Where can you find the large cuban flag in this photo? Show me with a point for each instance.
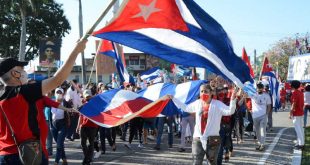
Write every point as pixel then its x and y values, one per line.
pixel 110 49
pixel 115 107
pixel 178 31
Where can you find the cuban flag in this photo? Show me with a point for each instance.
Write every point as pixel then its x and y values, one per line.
pixel 178 31
pixel 182 71
pixel 151 74
pixel 115 107
pixel 269 75
pixel 245 58
pixel 110 49
pixel 183 94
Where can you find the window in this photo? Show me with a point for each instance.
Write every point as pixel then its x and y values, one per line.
pixel 100 78
pixel 77 77
pixel 142 62
pixel 133 62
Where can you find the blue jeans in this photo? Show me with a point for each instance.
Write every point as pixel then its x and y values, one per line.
pixel 71 131
pixel 49 141
pixel 306 115
pixel 13 159
pixel 160 127
pixel 59 130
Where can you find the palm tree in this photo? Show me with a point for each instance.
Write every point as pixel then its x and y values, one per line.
pixel 23 5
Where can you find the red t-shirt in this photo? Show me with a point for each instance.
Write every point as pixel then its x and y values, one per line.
pixel 19 105
pixel 297 99
pixel 41 103
pixel 84 121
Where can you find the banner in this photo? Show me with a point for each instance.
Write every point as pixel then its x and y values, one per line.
pixel 299 68
pixel 49 52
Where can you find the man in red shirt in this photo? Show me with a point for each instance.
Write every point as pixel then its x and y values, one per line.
pixel 88 131
pixel 18 103
pixel 297 113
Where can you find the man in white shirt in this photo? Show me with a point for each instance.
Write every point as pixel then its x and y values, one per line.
pixel 73 96
pixel 208 115
pixel 261 106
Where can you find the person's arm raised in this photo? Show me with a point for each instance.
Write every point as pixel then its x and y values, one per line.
pixel 62 74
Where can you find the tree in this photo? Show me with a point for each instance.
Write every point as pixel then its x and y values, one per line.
pixel 48 22
pixel 279 54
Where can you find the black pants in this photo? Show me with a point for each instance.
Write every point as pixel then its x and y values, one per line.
pixel 88 133
pixel 136 124
pixel 74 118
pixel 239 125
pixel 109 134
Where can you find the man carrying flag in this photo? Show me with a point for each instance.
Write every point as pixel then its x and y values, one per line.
pixel 273 88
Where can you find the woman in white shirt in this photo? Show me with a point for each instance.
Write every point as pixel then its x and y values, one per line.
pixel 59 128
pixel 208 114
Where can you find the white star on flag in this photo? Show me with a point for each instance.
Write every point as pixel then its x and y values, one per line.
pixel 147 10
pixel 269 65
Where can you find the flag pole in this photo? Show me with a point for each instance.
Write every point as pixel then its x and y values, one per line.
pixel 104 13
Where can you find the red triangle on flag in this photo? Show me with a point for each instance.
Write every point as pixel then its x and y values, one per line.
pixel 266 66
pixel 247 61
pixel 106 46
pixel 138 14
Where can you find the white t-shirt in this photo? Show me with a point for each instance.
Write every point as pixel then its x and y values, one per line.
pixel 307 98
pixel 259 104
pixel 217 109
pixel 74 95
pixel 57 114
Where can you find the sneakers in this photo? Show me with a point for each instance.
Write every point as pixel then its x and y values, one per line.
pixel 298 147
pixel 157 147
pixel 114 147
pixel 181 150
pixel 140 145
pixel 97 155
pixel 261 148
pixel 128 146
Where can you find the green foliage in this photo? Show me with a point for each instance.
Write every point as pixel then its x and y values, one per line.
pixel 47 21
pixel 306 152
pixel 279 54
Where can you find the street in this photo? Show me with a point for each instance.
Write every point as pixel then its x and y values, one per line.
pixel 278 150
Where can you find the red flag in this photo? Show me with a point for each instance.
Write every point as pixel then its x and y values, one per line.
pixel 172 68
pixel 247 61
pixel 266 67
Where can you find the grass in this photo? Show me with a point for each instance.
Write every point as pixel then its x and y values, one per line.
pixel 306 152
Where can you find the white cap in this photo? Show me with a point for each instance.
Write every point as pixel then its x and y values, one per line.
pixel 59 89
pixel 87 93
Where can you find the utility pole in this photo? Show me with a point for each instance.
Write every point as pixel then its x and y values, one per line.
pixel 255 68
pixel 81 35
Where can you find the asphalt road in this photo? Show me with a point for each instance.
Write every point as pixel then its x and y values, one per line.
pixel 279 149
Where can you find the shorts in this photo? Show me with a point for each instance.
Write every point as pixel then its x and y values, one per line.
pixel 149 123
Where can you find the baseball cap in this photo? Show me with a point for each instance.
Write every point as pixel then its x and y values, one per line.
pixel 59 90
pixel 9 63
